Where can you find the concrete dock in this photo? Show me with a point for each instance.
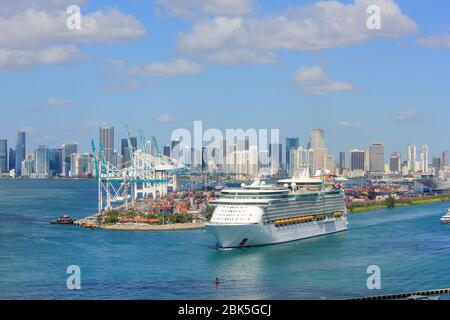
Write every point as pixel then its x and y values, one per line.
pixel 410 295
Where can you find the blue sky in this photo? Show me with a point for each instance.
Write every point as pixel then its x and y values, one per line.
pixel 390 87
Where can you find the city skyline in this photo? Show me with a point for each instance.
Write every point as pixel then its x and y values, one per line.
pixel 102 80
pixel 250 157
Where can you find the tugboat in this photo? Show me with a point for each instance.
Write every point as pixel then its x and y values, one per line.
pixel 446 218
pixel 65 219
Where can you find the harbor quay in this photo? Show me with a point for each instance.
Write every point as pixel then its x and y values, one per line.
pixel 181 210
pixel 191 209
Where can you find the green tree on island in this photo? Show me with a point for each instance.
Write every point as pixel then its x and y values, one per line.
pixel 390 202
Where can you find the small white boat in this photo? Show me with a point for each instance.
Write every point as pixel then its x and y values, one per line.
pixel 446 218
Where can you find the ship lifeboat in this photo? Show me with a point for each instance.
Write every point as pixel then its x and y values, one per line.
pixel 337 214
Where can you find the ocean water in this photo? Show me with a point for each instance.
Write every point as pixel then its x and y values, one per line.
pixel 409 244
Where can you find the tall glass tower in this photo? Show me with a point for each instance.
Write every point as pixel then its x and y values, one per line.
pixel 42 161
pixel 3 155
pixel 106 135
pixel 126 152
pixel 20 151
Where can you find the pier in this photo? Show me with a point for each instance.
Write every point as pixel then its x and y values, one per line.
pixel 403 296
pixel 87 222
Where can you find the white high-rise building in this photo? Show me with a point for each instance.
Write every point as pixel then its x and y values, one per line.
pixel 317 139
pixel 317 143
pixel 301 158
pixel 245 162
pixel 412 158
pixel 423 159
pixel 367 160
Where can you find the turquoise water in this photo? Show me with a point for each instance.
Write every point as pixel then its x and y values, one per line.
pixel 409 245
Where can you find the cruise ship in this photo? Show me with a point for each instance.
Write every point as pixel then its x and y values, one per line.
pixel 292 209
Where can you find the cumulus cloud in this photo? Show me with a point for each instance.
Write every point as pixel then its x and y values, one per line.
pixel 55 102
pixel 24 59
pixel 35 32
pixel 441 41
pixel 51 103
pixel 171 68
pixel 192 8
pixel 322 25
pixel 177 67
pixel 165 118
pixel 128 85
pixel 314 81
pixel 85 126
pixel 349 125
pixel 406 116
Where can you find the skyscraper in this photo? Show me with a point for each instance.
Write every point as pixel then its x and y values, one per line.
pixel 28 166
pixel 317 143
pixel 67 150
pixel 20 151
pixel 291 143
pixel 55 159
pixel 376 162
pixel 42 161
pixel 341 162
pixel 437 162
pixel 12 159
pixel 275 156
pixel 357 160
pixel 423 159
pixel 412 158
pixel 445 159
pixel 395 163
pixel 106 136
pixel 126 152
pixel 166 150
pixel 175 149
pixel 3 155
pixel 301 159
pixel 81 165
pixel 317 139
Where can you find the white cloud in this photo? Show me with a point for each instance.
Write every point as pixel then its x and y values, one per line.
pixel 322 25
pixel 24 59
pixel 51 103
pixel 406 116
pixel 55 102
pixel 128 85
pixel 314 81
pixel 34 29
pixel 27 129
pixel 165 118
pixel 441 41
pixel 36 33
pixel 192 8
pixel 172 68
pixel 349 125
pixel 86 126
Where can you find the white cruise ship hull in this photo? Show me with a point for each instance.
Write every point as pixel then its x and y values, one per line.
pixel 259 234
